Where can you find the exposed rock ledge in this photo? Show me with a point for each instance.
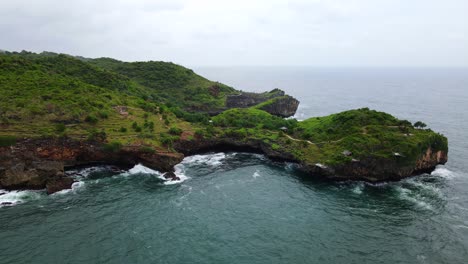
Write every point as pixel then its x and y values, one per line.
pixel 370 170
pixel 38 164
pixel 275 102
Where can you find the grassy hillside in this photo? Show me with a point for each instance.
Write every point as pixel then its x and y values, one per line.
pixel 171 83
pixel 143 103
pixel 360 133
pixel 57 94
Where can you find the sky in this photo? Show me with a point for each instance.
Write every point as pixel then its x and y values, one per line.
pixel 319 33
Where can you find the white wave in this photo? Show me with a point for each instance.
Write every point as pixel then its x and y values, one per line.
pixel 256 174
pixel 408 195
pixel 443 172
pixel 143 170
pixel 209 159
pixel 74 188
pixel 9 198
pixel 179 171
pixel 425 186
pixel 85 172
pixel 358 188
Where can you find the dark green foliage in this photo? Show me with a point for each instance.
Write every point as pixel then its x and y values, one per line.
pixel 199 133
pixel 92 119
pixel 175 131
pixel 250 118
pixel 190 117
pixel 60 128
pixel 123 129
pixel 95 135
pixel 136 127
pixel 167 139
pixel 419 124
pixel 113 146
pixel 103 114
pixel 6 141
pixel 147 149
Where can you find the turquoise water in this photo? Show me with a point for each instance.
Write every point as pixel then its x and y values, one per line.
pixel 243 208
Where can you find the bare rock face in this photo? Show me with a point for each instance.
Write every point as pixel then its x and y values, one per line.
pixel 40 163
pixel 56 185
pixel 371 169
pixel 276 102
pixel 29 174
pixel 285 106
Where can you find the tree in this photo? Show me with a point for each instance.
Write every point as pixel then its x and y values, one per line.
pixel 419 124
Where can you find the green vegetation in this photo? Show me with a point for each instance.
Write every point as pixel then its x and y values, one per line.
pixel 419 124
pixel 113 146
pixel 367 133
pixel 171 84
pixel 250 118
pixel 151 103
pixel 6 141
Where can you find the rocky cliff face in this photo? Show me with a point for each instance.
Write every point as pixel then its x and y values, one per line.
pixel 378 170
pixel 285 106
pixel 275 102
pixel 370 170
pixel 38 164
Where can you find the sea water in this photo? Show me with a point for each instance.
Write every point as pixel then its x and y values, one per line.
pixel 243 208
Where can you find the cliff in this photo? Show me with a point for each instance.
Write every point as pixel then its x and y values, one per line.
pixel 58 111
pixel 275 102
pixel 40 163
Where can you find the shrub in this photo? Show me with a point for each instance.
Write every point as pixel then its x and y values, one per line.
pixel 95 135
pixel 167 140
pixel 275 147
pixel 175 131
pixel 199 133
pixel 420 124
pixel 113 146
pixel 136 127
pixel 60 128
pixel 147 149
pixel 103 114
pixel 123 129
pixel 92 119
pixel 6 141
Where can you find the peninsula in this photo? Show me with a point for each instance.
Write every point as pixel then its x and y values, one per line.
pixel 59 111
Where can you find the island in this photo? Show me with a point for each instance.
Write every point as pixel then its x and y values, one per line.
pixel 59 111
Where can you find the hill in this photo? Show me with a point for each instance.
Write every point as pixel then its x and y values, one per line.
pixel 58 110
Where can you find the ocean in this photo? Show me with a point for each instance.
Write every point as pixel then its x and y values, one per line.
pixel 243 208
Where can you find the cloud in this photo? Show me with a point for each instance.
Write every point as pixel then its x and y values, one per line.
pixel 253 32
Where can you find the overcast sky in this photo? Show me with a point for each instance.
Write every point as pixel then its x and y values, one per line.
pixel 332 33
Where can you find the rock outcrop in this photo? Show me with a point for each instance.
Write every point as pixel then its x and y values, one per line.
pixel 378 170
pixel 275 102
pixel 370 170
pixel 40 163
pixel 284 106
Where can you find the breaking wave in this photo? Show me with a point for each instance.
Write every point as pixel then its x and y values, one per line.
pixel 10 198
pixel 443 172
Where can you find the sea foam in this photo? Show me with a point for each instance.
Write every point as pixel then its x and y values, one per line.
pixel 9 198
pixel 443 172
